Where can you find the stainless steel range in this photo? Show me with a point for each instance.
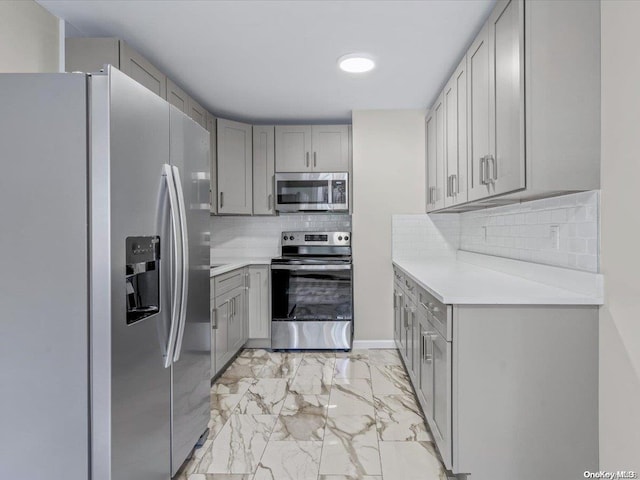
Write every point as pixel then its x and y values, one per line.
pixel 312 292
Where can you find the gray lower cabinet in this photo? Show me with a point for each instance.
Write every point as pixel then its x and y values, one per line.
pixel 508 391
pixel 228 316
pixel 259 307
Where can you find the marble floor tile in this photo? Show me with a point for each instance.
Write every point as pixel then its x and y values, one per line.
pixel 265 397
pixel 410 461
pixel 246 368
pixel 312 380
pixel 218 476
pixel 351 396
pixel 349 477
pixel 225 385
pixel 289 461
pixel 319 361
pixel 384 357
pixel 222 406
pixel 254 353
pixel 350 446
pixel 319 354
pixel 390 380
pixel 399 418
pixel 302 418
pixel 351 368
pixel 239 445
pixel 355 354
pixel 284 367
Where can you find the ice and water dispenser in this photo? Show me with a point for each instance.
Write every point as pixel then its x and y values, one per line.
pixel 143 277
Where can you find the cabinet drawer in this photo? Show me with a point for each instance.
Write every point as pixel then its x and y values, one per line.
pixel 228 281
pixel 437 313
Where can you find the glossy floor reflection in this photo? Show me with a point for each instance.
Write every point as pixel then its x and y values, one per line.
pixel 315 416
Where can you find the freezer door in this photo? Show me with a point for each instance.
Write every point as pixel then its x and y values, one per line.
pixel 191 371
pixel 131 415
pixel 43 277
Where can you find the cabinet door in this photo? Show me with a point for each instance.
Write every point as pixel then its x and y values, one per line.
pixel 221 323
pixel 142 71
pixel 235 332
pixel 455 136
pixel 506 57
pixel 435 156
pixel 293 148
pixel 478 112
pixel 258 303
pixel 397 315
pixel 330 148
pixel 235 189
pixel 263 169
pixel 213 135
pixel 416 350
pixel 177 97
pixel 197 112
pixel 426 366
pixel 442 395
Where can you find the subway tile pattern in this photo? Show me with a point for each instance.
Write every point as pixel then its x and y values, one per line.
pixel 240 236
pixel 424 236
pixel 315 416
pixel 524 231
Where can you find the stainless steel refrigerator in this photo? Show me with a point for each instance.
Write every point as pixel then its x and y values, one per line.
pixel 104 275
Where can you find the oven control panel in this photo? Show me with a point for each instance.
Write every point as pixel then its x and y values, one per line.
pixel 316 238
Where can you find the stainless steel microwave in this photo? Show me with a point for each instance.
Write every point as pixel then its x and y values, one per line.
pixel 312 192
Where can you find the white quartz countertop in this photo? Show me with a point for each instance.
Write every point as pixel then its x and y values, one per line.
pixel 224 265
pixel 455 281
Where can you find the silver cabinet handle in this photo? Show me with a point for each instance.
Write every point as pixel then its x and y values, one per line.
pixel 307 159
pixel 315 159
pixel 449 188
pixel 214 319
pixel 269 199
pixel 221 199
pixel 494 169
pixel 482 171
pixel 456 190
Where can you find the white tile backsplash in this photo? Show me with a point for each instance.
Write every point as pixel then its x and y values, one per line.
pixel 245 237
pixel 422 236
pixel 520 231
pixel 523 231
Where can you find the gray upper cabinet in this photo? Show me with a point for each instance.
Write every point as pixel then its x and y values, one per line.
pixel 435 156
pixel 312 148
pixel 197 112
pixel 505 164
pixel 235 167
pixel 177 97
pixel 142 71
pixel 263 169
pixel 293 148
pixel 330 144
pixel 213 135
pixel 530 131
pixel 455 137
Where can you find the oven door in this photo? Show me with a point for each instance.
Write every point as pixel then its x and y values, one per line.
pixel 312 307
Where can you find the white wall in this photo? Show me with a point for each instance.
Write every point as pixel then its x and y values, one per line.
pixel 388 178
pixel 29 38
pixel 620 252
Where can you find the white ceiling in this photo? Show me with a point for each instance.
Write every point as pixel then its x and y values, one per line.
pixel 267 60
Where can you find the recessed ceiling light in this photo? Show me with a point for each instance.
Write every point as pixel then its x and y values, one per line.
pixel 356 63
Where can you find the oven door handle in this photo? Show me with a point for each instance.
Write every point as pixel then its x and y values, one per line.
pixel 322 268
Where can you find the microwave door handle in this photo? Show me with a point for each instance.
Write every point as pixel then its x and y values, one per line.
pixel 184 294
pixel 176 264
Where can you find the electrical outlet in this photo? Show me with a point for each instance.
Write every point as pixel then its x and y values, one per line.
pixel 554 234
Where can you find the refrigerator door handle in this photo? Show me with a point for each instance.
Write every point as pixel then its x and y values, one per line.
pixel 176 264
pixel 185 263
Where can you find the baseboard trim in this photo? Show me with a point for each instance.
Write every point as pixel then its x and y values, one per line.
pixel 361 344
